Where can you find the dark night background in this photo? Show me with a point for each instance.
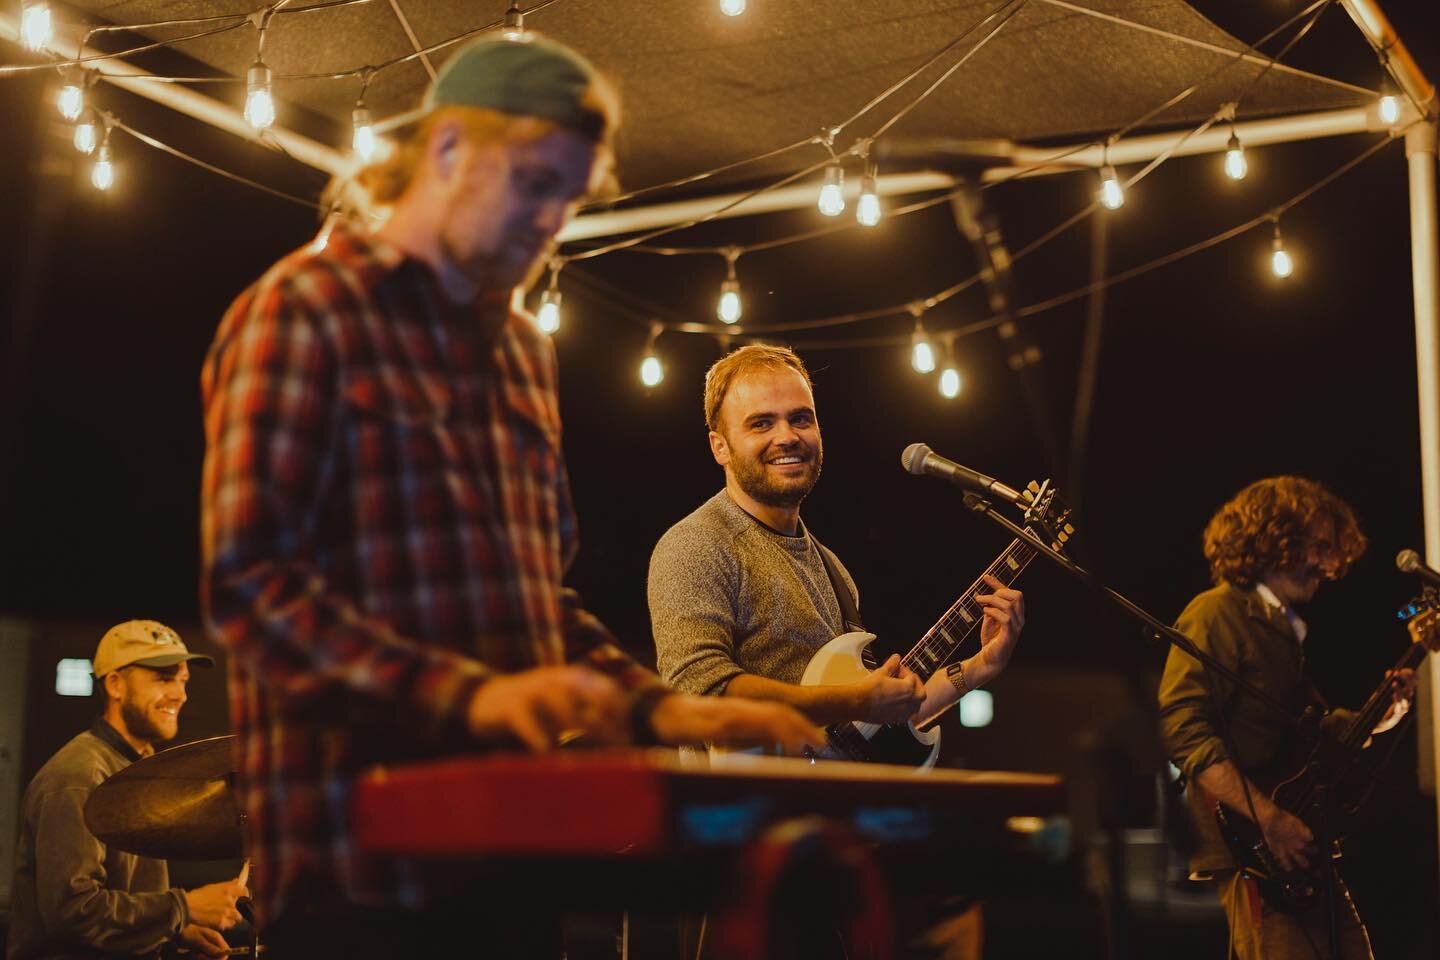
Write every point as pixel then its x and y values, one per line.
pixel 1213 373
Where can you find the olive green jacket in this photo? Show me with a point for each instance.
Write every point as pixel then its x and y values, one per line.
pixel 1255 640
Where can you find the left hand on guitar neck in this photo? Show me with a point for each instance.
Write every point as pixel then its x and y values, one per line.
pixel 1403 682
pixel 1000 627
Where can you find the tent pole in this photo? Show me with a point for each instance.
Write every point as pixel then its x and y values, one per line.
pixel 1420 155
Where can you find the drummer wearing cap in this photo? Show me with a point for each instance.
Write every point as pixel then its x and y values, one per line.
pixel 386 514
pixel 75 897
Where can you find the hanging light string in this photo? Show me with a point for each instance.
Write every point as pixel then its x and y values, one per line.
pixel 941 296
pixel 240 20
pixel 899 115
pixel 1268 217
pixel 808 141
pixel 163 147
pixel 641 243
pixel 228 21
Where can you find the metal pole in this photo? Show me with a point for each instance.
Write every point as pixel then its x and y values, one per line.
pixel 1420 155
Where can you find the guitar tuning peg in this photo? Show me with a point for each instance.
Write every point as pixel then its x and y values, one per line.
pixel 1033 487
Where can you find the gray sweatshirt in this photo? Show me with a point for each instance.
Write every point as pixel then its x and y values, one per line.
pixel 73 896
pixel 728 595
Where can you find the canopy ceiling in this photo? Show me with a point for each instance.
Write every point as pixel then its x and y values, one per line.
pixel 703 89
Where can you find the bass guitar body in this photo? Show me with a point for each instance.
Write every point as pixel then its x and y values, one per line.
pixel 845 660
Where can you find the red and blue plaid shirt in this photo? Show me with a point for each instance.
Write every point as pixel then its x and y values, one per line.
pixel 386 520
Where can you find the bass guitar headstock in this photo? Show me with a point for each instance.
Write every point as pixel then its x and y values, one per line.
pixel 1046 514
pixel 1422 618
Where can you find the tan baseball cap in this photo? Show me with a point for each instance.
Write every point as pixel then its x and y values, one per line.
pixel 148 643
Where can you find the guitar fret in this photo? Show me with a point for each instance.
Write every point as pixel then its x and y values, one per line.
pixel 943 639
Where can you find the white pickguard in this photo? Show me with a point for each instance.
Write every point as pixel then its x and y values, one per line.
pixel 840 661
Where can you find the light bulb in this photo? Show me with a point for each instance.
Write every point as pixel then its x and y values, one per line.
pixel 36 28
pixel 514 29
pixel 1280 262
pixel 729 308
pixel 949 383
pixel 1235 164
pixel 832 192
pixel 922 355
pixel 259 105
pixel 103 173
pixel 85 137
pixel 362 141
pixel 867 209
pixel 548 316
pixel 1389 109
pixel 71 101
pixel 651 371
pixel 1112 195
pixel 732 8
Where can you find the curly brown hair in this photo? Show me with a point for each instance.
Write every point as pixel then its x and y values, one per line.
pixel 1268 526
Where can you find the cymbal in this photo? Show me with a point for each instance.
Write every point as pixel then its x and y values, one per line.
pixel 175 805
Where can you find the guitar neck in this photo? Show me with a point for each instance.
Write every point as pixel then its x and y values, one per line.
pixel 1379 702
pixel 941 641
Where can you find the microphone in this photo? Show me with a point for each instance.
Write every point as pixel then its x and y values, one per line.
pixel 919 459
pixel 1408 561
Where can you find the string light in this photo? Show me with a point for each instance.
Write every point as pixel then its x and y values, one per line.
pixel 922 354
pixel 102 175
pixel 652 371
pixel 1235 164
pixel 730 307
pixel 950 382
pixel 362 140
pixel 85 136
pixel 732 8
pixel 1388 105
pixel 1281 263
pixel 71 100
pixel 832 192
pixel 1112 195
pixel 867 208
pixel 259 105
pixel 547 317
pixel 36 27
pixel 514 29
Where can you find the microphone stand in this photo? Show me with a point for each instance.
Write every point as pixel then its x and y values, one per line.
pixel 1175 638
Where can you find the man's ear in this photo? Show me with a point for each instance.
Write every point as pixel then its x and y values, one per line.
pixel 444 148
pixel 114 685
pixel 719 449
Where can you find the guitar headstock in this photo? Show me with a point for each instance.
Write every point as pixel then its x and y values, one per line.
pixel 1047 514
pixel 1422 618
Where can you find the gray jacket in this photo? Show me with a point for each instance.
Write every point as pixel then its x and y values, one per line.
pixel 73 896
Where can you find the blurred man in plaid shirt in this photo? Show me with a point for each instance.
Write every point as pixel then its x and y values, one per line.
pixel 386 513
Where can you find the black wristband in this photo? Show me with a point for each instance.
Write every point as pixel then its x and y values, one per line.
pixel 642 708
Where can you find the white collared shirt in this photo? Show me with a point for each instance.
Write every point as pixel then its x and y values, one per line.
pixel 1296 624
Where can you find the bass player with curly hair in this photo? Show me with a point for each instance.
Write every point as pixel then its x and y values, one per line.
pixel 1269 548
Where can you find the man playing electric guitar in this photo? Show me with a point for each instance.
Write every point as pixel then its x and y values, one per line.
pixel 740 597
pixel 1269 548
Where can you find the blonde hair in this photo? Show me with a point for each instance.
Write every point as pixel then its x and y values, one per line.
pixel 381 183
pixel 755 356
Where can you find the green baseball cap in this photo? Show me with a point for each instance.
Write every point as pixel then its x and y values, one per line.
pixel 531 77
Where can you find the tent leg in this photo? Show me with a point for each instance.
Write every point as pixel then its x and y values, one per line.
pixel 1420 154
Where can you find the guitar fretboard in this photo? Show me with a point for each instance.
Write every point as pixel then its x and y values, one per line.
pixel 940 641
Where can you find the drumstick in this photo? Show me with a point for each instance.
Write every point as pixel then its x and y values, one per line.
pixel 244 877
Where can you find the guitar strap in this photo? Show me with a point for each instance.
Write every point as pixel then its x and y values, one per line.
pixel 849 613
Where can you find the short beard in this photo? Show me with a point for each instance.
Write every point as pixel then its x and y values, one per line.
pixel 751 476
pixel 139 724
